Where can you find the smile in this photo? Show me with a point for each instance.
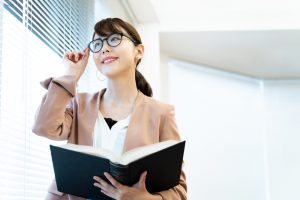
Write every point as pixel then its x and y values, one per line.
pixel 109 60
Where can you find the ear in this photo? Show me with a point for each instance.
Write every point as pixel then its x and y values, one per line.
pixel 139 51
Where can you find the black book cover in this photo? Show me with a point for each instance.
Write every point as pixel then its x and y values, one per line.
pixel 74 170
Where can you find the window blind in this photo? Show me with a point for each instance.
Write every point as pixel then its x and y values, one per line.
pixel 34 34
pixel 61 25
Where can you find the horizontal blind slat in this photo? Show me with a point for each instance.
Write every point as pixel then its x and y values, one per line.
pixel 70 24
pixel 53 21
pixel 55 25
pixel 14 7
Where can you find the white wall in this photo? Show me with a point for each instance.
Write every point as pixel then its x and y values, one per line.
pixel 282 111
pixel 242 141
pixel 150 64
pixel 109 8
pixel 242 133
pixel 192 15
pixel 219 116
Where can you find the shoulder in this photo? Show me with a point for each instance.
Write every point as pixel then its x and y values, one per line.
pixel 165 114
pixel 157 106
pixel 87 95
pixel 86 98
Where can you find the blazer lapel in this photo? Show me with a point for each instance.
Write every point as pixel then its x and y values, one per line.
pixel 131 138
pixel 90 120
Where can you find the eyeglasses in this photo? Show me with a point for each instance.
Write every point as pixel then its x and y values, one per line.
pixel 112 40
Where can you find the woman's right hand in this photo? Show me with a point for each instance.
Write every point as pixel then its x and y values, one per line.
pixel 76 62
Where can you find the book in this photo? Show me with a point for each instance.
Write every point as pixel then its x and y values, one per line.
pixel 75 165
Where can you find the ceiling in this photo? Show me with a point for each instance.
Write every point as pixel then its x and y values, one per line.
pixel 255 38
pixel 261 54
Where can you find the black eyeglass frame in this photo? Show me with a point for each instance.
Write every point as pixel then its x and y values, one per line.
pixel 102 40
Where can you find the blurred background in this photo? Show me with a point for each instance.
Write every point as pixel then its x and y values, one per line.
pixel 231 68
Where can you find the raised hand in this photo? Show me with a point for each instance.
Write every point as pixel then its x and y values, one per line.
pixel 76 62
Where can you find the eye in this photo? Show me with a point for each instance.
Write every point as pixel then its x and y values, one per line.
pixel 114 38
pixel 97 44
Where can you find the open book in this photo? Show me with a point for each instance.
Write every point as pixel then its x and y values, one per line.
pixel 75 165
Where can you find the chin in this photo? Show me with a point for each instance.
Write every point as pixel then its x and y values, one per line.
pixel 113 71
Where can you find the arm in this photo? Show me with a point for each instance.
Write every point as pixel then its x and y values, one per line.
pixel 54 116
pixel 168 130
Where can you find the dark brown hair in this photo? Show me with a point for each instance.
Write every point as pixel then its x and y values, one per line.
pixel 108 26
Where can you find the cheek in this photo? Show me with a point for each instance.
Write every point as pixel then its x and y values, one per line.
pixel 126 60
pixel 96 57
pixel 127 57
pixel 97 60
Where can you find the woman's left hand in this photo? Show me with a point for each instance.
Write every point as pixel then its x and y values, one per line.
pixel 122 192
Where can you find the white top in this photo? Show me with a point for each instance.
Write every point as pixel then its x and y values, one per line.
pixel 111 139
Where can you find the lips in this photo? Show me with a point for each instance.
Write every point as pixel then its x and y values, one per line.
pixel 109 59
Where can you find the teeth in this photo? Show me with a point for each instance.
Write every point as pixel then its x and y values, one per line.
pixel 109 60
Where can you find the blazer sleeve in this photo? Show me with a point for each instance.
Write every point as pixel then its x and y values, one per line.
pixel 53 118
pixel 168 130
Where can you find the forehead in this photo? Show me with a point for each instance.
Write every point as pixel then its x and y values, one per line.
pixel 100 36
pixel 107 33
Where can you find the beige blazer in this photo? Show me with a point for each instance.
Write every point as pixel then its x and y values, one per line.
pixel 65 115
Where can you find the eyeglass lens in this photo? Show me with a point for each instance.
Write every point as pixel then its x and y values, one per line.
pixel 113 40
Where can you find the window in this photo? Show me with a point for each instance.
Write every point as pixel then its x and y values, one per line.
pixel 33 37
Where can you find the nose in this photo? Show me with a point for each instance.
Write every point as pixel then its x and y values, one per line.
pixel 105 47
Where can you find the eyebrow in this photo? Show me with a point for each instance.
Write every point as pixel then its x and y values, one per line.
pixel 98 37
pixel 102 37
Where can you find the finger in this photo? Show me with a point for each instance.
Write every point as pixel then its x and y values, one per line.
pixel 107 188
pixel 71 56
pixel 113 181
pixel 98 185
pixel 96 178
pixel 76 56
pixel 66 58
pixel 142 181
pixel 80 56
pixel 85 54
pixel 107 194
pixel 66 55
pixel 101 181
pixel 84 59
pixel 110 191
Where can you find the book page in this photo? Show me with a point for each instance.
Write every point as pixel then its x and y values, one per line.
pixel 143 151
pixel 103 153
pixel 127 157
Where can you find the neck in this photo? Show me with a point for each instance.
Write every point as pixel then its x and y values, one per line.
pixel 120 91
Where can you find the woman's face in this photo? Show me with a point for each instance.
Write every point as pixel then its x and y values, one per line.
pixel 119 60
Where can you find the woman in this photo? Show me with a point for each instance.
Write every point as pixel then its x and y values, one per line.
pixel 119 118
